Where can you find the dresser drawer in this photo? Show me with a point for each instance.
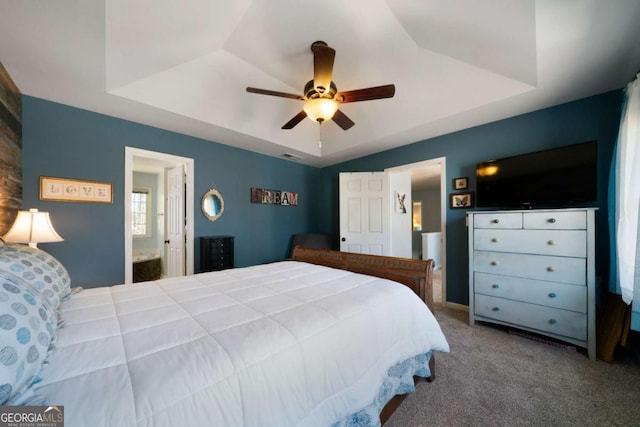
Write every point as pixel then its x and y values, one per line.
pixel 218 262
pixel 571 243
pixel 217 246
pixel 556 220
pixel 549 268
pixel 551 294
pixel 545 319
pixel 498 220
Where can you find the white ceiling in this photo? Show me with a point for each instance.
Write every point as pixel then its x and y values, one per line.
pixel 184 66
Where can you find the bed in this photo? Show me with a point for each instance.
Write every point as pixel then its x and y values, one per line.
pixel 324 339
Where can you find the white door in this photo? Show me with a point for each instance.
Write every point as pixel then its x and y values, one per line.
pixel 401 210
pixel 175 224
pixel 364 213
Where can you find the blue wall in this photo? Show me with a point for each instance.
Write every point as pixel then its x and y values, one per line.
pixel 67 142
pixel 592 118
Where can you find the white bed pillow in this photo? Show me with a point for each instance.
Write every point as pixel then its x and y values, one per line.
pixel 27 329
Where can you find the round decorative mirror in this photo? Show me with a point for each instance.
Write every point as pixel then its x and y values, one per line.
pixel 212 205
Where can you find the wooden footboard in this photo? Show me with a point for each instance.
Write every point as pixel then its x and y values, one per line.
pixel 416 274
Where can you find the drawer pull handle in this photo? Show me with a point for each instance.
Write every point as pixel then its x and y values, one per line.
pixel 551 269
pixel 551 243
pixel 551 220
pixel 495 221
pixel 495 286
pixel 495 309
pixel 552 295
pixel 494 240
pixel 494 262
pixel 552 321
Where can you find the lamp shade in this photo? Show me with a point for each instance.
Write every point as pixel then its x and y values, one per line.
pixel 320 109
pixel 32 227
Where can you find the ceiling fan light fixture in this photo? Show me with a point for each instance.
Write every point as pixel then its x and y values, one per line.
pixel 321 95
pixel 320 109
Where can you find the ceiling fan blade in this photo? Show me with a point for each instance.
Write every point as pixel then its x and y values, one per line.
pixel 296 119
pixel 274 93
pixel 370 93
pixel 342 120
pixel 323 57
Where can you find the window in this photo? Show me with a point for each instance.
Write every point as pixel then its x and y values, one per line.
pixel 624 210
pixel 141 212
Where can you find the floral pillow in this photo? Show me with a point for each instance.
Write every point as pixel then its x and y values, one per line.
pixel 27 329
pixel 38 269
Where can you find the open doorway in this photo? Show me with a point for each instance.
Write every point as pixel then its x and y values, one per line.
pixel 147 240
pixel 428 198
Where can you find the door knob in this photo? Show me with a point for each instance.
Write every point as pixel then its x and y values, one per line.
pixel 343 239
pixel 166 242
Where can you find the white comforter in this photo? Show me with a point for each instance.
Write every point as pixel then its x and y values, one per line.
pixel 279 344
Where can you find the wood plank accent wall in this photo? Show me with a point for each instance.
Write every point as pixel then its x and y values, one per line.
pixel 10 150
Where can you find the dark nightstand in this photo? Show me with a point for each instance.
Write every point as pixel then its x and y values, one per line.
pixel 216 253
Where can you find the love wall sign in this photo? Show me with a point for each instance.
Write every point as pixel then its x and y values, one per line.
pixel 274 197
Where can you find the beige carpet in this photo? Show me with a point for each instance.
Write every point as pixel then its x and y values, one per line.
pixel 437 286
pixel 494 378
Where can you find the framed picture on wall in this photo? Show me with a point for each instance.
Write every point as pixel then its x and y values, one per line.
pixel 461 200
pixel 399 202
pixel 460 183
pixel 73 190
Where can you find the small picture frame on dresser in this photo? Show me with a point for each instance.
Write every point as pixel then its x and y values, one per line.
pixel 461 200
pixel 460 183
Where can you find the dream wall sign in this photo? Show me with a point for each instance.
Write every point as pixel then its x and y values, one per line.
pixel 274 197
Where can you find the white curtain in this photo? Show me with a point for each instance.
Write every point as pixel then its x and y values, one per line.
pixel 627 193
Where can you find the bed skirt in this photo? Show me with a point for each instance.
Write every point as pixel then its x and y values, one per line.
pixel 399 380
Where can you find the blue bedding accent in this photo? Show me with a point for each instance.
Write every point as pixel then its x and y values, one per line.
pixel 399 380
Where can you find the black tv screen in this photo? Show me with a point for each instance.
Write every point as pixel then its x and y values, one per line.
pixel 559 177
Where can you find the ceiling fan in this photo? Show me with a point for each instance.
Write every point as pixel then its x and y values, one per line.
pixel 321 95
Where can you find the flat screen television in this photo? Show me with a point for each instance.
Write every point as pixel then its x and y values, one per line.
pixel 559 177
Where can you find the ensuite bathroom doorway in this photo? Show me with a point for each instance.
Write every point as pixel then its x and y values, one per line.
pixel 158 190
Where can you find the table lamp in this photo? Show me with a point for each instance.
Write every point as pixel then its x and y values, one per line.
pixel 32 227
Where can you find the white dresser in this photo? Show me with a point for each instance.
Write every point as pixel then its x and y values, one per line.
pixel 535 270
